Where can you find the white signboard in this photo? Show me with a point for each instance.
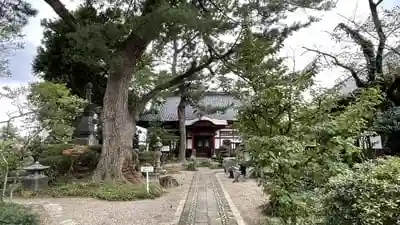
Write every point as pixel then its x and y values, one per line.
pixel 147 169
pixel 165 148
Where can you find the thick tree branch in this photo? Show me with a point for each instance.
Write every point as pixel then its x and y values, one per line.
pixel 381 35
pixel 366 46
pixel 63 12
pixel 336 62
pixel 379 2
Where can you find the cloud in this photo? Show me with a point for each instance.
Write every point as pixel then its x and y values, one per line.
pixel 21 65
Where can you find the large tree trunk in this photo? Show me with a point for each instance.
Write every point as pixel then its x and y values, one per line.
pixel 118 130
pixel 182 130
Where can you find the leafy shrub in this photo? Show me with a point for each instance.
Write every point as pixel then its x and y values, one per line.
pixel 191 166
pixel 14 214
pixel 60 165
pixel 147 157
pixel 109 192
pixel 369 194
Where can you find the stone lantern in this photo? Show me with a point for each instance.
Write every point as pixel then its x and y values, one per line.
pixel 36 179
pixel 158 154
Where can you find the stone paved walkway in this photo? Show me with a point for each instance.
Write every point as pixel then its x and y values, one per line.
pixel 206 203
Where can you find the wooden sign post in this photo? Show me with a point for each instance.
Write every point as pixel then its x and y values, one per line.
pixel 147 170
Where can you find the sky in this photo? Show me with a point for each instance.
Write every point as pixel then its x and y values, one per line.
pixel 314 36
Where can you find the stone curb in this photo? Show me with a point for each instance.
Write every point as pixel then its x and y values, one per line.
pixel 234 209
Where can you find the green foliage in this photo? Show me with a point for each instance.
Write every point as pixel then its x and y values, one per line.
pixel 93 50
pixel 56 108
pixel 191 166
pixel 9 131
pixel 9 158
pixel 147 157
pixel 14 214
pixel 292 169
pixel 388 121
pixel 61 165
pixel 368 194
pixel 297 145
pixel 107 191
pixel 156 131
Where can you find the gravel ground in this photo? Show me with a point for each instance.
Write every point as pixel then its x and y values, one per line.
pixel 86 211
pixel 247 196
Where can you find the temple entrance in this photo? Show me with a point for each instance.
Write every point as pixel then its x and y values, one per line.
pixel 203 145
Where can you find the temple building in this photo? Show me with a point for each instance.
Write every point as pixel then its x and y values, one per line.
pixel 204 132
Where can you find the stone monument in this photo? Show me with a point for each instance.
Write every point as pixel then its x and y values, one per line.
pixel 157 155
pixel 85 132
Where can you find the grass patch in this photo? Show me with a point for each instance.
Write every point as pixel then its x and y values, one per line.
pixel 14 214
pixel 102 191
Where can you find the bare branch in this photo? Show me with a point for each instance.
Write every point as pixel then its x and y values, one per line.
pixel 337 62
pixel 393 49
pixel 366 46
pixel 17 116
pixel 381 35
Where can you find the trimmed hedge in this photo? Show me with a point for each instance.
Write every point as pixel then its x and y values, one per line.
pixel 14 214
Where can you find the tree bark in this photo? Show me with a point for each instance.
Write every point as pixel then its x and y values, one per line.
pixel 118 129
pixel 182 129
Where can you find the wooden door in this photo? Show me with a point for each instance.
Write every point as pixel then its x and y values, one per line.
pixel 203 145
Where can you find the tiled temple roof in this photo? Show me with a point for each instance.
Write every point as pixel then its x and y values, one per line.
pixel 168 110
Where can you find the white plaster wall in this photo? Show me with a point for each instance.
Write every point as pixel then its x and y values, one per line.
pixel 216 144
pixel 216 140
pixel 189 143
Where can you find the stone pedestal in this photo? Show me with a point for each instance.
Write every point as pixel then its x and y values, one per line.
pixel 158 155
pixel 90 140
